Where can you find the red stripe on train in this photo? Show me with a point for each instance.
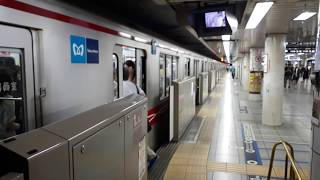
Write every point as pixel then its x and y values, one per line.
pixel 54 15
pixel 154 113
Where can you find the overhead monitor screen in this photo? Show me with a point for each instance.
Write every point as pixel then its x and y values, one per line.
pixel 215 19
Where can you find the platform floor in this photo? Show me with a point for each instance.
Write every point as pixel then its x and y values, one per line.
pixel 214 145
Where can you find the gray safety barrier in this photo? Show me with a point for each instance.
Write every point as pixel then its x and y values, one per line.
pixel 202 88
pixel 184 105
pixel 211 80
pixel 107 142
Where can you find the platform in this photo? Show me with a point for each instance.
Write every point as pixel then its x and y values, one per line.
pixel 214 145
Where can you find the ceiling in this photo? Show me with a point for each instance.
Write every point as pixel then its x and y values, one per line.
pixel 279 20
pixel 155 17
pixel 169 20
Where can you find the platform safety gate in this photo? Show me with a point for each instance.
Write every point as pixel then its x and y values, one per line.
pixel 107 142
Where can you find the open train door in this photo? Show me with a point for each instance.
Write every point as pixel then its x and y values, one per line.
pixel 17 84
pixel 121 54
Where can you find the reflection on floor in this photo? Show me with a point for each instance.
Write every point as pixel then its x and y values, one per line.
pixel 228 141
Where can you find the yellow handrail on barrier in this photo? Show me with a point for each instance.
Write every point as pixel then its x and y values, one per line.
pixel 289 155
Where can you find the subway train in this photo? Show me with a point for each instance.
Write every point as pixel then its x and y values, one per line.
pixel 60 61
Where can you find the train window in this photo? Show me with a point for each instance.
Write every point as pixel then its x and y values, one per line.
pixel 162 76
pixel 115 65
pixel 196 67
pixel 12 100
pixel 168 73
pixel 175 67
pixel 187 67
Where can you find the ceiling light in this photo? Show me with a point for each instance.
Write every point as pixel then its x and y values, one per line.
pixel 304 16
pixel 225 37
pixel 162 46
pixel 125 35
pixel 140 39
pixel 226 46
pixel 180 51
pixel 258 13
pixel 173 49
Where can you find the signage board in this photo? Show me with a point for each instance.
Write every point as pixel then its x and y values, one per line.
pixel 84 50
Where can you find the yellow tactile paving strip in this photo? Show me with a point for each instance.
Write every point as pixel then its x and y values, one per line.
pixel 190 161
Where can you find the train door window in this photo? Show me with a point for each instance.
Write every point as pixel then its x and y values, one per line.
pixel 203 66
pixel 115 65
pixel 162 76
pixel 175 67
pixel 138 57
pixel 195 67
pixel 141 69
pixel 12 97
pixel 187 67
pixel 168 73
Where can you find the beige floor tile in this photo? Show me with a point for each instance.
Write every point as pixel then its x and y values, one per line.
pixel 197 169
pixel 237 168
pixel 257 170
pixel 179 161
pixel 216 166
pixel 196 176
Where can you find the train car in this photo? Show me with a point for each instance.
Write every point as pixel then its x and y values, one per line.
pixel 57 61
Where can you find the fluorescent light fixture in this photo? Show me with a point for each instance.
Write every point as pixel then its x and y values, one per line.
pixel 225 37
pixel 125 35
pixel 180 51
pixel 304 16
pixel 258 13
pixel 226 46
pixel 173 49
pixel 140 39
pixel 162 46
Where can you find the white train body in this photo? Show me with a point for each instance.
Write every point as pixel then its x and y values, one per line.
pixel 56 88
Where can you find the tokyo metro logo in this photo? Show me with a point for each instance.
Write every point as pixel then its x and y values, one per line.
pixel 78 50
pixel 84 50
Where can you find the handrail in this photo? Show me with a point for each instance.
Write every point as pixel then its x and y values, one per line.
pixel 289 154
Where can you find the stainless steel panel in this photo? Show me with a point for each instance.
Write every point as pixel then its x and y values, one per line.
pixel 315 175
pixel 203 87
pixel 211 80
pixel 184 105
pixel 135 131
pixel 316 138
pixel 12 176
pixel 38 154
pixel 81 126
pixel 101 156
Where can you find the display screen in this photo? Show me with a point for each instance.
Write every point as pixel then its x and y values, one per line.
pixel 215 19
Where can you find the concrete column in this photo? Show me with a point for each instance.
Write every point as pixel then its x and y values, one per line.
pixel 255 66
pixel 273 80
pixel 256 59
pixel 245 72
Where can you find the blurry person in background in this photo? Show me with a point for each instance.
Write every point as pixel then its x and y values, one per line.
pixel 232 70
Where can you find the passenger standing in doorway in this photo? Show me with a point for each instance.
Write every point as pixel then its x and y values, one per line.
pixel 129 79
pixel 233 71
pixel 130 87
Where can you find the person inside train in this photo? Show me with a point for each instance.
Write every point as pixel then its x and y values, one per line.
pixel 8 126
pixel 130 87
pixel 129 79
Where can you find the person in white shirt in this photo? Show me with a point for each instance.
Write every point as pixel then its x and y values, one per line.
pixel 130 87
pixel 129 77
